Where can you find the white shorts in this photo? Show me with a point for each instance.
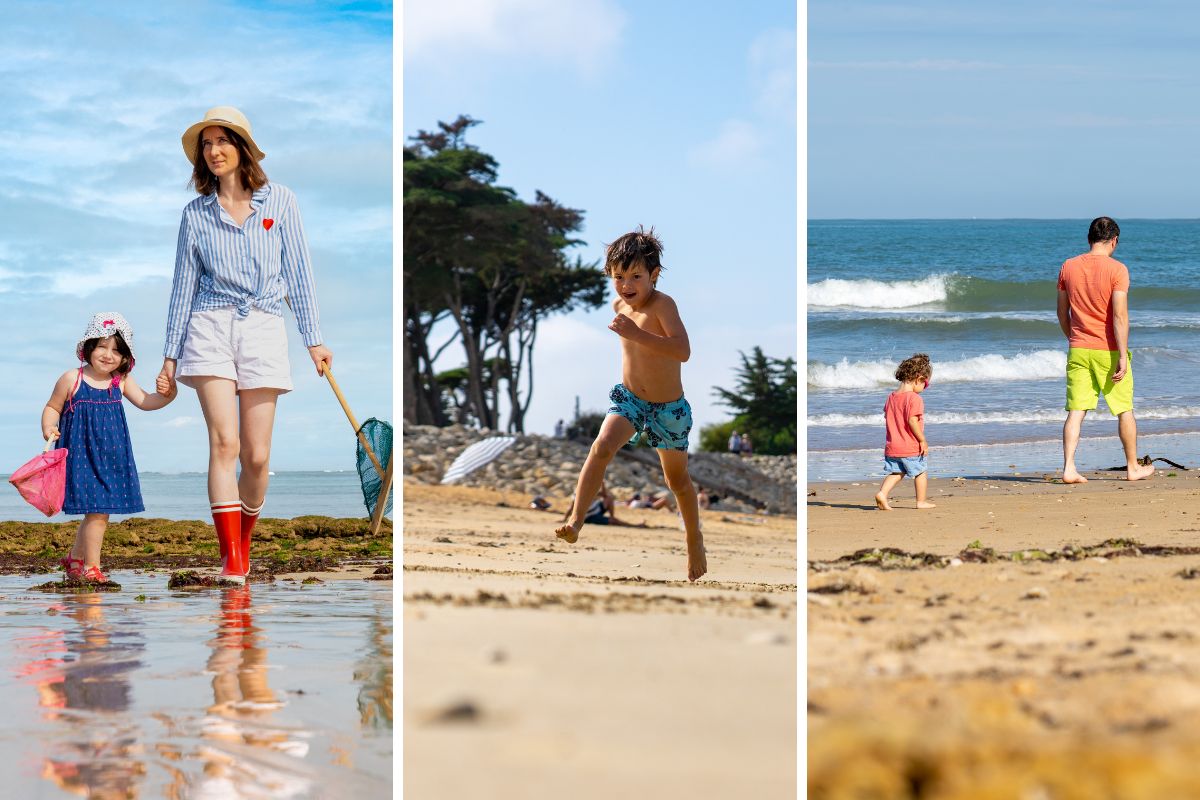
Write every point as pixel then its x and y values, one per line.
pixel 253 350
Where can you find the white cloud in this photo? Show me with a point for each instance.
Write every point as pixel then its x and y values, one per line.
pixel 738 143
pixel 183 422
pixel 773 73
pixel 581 32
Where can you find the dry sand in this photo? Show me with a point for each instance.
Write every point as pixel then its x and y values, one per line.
pixel 1050 674
pixel 537 669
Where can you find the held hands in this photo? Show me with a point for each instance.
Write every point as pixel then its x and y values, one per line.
pixel 164 384
pixel 322 357
pixel 625 327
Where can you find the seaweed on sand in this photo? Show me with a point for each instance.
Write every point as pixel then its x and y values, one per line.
pixel 76 586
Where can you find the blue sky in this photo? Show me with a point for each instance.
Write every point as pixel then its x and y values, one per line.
pixel 96 96
pixel 1018 109
pixel 680 115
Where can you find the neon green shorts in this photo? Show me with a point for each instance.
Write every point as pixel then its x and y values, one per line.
pixel 1089 373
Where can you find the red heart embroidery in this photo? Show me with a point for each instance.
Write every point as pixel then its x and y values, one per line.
pixel 267 223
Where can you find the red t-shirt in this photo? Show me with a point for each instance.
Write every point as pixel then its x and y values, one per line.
pixel 1089 281
pixel 901 443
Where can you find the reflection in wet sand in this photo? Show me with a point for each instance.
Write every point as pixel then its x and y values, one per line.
pixel 374 674
pixel 270 691
pixel 248 756
pixel 80 666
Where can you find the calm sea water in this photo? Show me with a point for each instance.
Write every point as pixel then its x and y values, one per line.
pixel 185 496
pixel 979 297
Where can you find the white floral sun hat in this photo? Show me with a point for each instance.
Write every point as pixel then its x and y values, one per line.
pixel 103 325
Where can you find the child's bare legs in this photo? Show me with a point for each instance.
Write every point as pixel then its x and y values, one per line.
pixel 674 464
pixel 922 483
pixel 614 432
pixel 889 483
pixel 1070 442
pixel 88 539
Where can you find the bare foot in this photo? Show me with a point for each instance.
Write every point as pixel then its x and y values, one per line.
pixel 881 503
pixel 1074 477
pixel 569 532
pixel 697 560
pixel 1139 472
pixel 926 504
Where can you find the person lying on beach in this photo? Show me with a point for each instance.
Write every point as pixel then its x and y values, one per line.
pixel 1093 312
pixel 649 400
pixel 602 511
pixel 905 449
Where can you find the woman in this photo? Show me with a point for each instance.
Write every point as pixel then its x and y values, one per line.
pixel 241 255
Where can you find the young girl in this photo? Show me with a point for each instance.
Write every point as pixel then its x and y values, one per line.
pixel 905 450
pixel 101 476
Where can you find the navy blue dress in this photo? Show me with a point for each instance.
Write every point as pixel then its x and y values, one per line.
pixel 101 475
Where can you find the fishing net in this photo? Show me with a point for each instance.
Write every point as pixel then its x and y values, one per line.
pixel 379 436
pixel 42 480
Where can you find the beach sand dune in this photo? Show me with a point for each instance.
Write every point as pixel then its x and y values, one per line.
pixel 533 668
pixel 1031 640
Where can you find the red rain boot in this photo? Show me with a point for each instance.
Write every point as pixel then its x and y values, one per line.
pixel 227 521
pixel 249 517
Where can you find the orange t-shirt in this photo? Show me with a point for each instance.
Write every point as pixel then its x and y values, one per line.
pixel 1089 281
pixel 901 443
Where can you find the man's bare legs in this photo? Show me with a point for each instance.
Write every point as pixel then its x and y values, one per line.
pixel 922 483
pixel 674 464
pixel 614 432
pixel 1070 442
pixel 889 483
pixel 1127 430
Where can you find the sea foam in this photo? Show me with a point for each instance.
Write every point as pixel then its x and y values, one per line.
pixel 835 292
pixel 1035 366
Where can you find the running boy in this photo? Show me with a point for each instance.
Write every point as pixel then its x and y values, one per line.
pixel 649 400
pixel 905 449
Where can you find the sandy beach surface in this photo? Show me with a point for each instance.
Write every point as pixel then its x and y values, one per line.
pixel 537 669
pixel 1025 639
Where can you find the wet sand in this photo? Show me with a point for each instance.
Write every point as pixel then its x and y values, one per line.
pixel 1028 639
pixel 537 669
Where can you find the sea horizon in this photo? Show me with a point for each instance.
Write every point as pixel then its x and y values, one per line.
pixel 184 496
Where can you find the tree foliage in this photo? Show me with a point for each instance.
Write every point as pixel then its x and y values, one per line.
pixel 495 265
pixel 764 403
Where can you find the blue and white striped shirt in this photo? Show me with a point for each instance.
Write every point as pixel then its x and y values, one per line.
pixel 218 264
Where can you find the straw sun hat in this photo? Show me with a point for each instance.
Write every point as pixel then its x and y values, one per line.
pixel 227 117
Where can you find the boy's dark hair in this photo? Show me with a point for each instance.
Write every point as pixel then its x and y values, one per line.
pixel 638 247
pixel 126 354
pixel 1103 229
pixel 249 171
pixel 911 369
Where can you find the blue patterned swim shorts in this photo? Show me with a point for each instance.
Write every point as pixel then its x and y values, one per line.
pixel 666 425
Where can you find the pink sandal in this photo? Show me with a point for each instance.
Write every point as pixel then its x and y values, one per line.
pixel 72 572
pixel 94 574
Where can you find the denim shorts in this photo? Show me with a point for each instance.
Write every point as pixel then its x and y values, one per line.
pixel 666 425
pixel 912 466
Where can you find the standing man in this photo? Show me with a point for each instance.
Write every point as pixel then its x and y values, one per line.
pixel 1093 312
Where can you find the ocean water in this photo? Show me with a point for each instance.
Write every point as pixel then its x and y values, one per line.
pixel 979 297
pixel 185 496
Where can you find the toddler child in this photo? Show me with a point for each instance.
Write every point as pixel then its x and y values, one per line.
pixel 649 399
pixel 905 449
pixel 101 476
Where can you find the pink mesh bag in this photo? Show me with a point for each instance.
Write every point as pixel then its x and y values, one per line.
pixel 42 480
